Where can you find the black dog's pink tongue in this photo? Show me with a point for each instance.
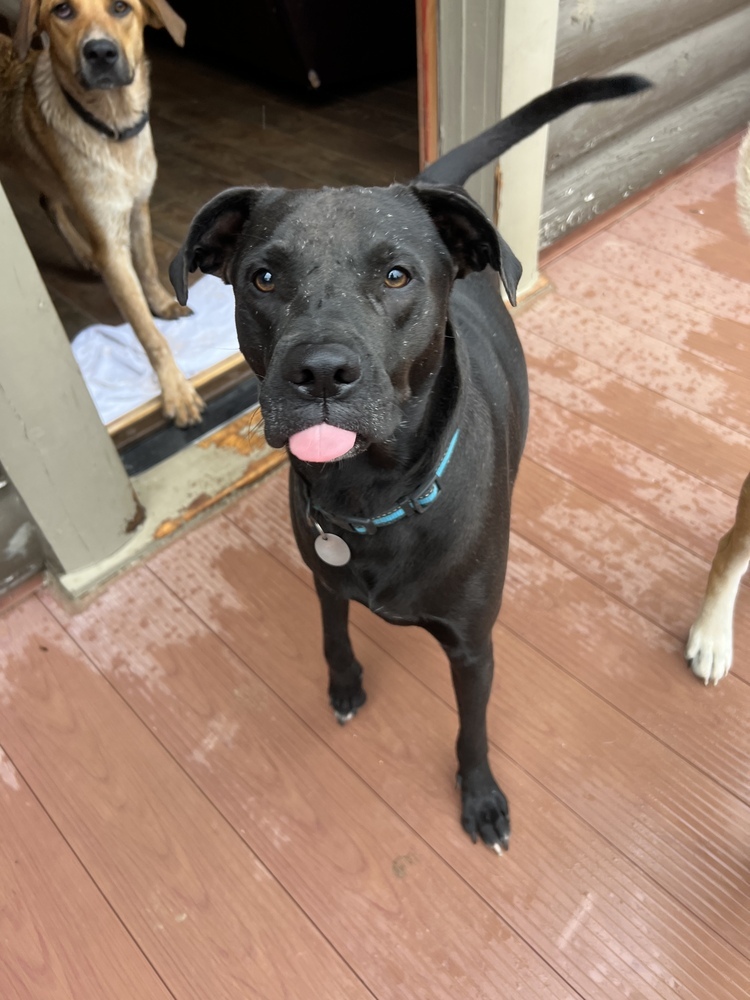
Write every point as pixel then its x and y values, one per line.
pixel 321 443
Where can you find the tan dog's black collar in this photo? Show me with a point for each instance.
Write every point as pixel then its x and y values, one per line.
pixel 100 126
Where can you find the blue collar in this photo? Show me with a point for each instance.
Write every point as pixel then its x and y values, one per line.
pixel 417 503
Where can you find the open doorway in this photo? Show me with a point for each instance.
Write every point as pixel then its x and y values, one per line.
pixel 280 94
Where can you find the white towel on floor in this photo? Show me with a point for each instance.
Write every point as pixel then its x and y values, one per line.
pixel 115 367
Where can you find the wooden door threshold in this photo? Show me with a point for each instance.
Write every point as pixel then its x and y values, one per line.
pixel 148 418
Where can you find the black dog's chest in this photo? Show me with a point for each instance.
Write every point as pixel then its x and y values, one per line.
pixel 387 572
pixel 377 576
pixel 390 601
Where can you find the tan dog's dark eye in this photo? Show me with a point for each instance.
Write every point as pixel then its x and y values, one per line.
pixel 120 8
pixel 263 280
pixel 64 11
pixel 397 277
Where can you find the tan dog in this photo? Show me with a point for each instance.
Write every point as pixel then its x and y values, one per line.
pixel 709 647
pixel 74 120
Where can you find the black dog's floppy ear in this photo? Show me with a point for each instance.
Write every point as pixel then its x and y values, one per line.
pixel 469 235
pixel 161 15
pixel 26 28
pixel 212 237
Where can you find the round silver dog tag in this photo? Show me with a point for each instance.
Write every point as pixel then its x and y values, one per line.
pixel 332 549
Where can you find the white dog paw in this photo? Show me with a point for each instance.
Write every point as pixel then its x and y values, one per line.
pixel 709 648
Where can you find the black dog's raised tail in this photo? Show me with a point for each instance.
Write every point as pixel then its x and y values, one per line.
pixel 457 166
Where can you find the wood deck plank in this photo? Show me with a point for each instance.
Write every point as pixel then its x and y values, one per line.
pixel 60 938
pixel 693 442
pixel 579 912
pixel 685 281
pixel 629 662
pixel 661 813
pixel 660 580
pixel 650 490
pixel 689 241
pixel 206 912
pixel 705 197
pixel 718 341
pixel 671 834
pixel 631 353
pixel 351 864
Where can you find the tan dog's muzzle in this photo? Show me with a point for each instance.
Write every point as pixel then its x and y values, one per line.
pixel 103 65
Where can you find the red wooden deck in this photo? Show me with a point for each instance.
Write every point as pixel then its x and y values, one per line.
pixel 180 815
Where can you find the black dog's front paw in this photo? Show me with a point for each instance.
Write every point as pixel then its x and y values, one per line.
pixel 484 809
pixel 346 699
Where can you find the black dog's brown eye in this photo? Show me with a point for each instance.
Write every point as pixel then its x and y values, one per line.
pixel 120 8
pixel 64 11
pixel 397 277
pixel 263 280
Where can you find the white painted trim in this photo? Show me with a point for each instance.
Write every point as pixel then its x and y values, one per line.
pixel 528 65
pixel 53 446
pixel 494 56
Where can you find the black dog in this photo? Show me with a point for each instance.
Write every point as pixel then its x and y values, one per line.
pixel 402 396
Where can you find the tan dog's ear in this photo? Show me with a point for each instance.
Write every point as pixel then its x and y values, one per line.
pixel 162 16
pixel 28 19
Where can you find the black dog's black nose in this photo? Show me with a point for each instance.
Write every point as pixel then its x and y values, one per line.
pixel 100 52
pixel 322 370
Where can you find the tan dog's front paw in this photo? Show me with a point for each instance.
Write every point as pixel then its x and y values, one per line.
pixel 172 310
pixel 182 403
